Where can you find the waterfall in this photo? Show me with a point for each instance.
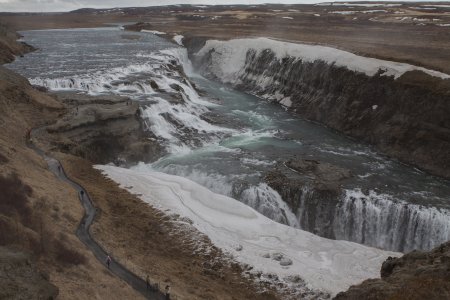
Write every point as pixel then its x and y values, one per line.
pixel 379 220
pixel 372 219
pixel 269 203
pixel 114 80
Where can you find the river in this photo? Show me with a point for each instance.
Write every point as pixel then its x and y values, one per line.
pixel 227 140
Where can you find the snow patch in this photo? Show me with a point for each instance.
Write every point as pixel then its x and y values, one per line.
pixel 349 12
pixel 438 5
pixel 178 39
pixel 251 238
pixel 425 8
pixel 286 102
pixel 359 4
pixel 228 58
pixel 344 12
pixel 153 31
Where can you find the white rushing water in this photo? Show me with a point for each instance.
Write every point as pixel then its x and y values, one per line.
pixel 381 221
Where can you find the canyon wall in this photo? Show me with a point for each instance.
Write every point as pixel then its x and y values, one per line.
pixel 401 109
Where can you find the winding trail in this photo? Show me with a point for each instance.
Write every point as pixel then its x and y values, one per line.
pixel 84 235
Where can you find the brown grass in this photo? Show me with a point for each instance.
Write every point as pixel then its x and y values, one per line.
pixel 3 159
pixel 68 256
pixel 14 198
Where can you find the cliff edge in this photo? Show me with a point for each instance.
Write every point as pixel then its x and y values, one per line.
pixel 416 275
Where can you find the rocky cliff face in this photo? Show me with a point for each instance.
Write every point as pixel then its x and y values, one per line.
pixel 102 129
pixel 416 275
pixel 312 191
pixel 406 118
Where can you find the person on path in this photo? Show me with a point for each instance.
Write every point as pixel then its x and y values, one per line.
pixel 28 137
pixel 108 261
pixel 59 168
pixel 147 282
pixel 167 292
pixel 82 195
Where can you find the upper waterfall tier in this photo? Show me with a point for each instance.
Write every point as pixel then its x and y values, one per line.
pixel 233 56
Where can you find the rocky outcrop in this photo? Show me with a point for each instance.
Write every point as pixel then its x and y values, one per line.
pixel 193 44
pixel 10 47
pixel 312 191
pixel 406 118
pixel 103 129
pixel 416 275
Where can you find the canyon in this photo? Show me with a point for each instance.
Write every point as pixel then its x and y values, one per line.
pixel 337 138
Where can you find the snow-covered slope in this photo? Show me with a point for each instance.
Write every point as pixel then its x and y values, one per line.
pixel 253 239
pixel 229 57
pixel 178 39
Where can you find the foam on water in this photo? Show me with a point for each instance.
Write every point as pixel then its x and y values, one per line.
pixel 256 162
pixel 269 203
pixel 107 81
pixel 248 138
pixel 256 118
